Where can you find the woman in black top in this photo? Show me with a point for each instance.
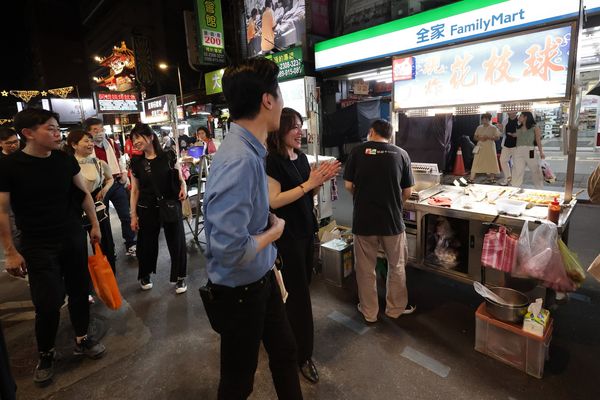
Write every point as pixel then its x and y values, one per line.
pixel 292 185
pixel 154 182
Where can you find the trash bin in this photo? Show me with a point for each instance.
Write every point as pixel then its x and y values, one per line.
pixel 338 261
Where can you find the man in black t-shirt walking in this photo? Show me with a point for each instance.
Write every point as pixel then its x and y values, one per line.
pixel 46 191
pixel 378 174
pixel 509 145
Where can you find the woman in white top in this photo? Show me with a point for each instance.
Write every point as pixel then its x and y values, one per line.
pixel 98 178
pixel 486 161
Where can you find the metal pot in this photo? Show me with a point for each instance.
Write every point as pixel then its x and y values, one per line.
pixel 513 313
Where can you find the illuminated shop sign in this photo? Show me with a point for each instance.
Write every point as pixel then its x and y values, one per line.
pixel 459 22
pixel 213 83
pixel 533 66
pixel 289 62
pixel 160 109
pixel 210 21
pixel 113 102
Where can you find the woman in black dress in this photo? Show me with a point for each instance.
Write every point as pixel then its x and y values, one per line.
pixel 155 181
pixel 292 186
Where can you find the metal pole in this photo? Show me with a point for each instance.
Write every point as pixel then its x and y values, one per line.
pixel 181 91
pixel 574 109
pixel 81 113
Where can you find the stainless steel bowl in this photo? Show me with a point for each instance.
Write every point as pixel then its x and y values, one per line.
pixel 513 313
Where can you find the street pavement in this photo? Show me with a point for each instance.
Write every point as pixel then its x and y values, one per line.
pixel 160 345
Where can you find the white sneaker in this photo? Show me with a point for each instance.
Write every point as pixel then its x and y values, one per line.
pixel 131 251
pixel 180 286
pixel 146 283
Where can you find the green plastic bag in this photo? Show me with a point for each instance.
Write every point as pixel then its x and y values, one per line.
pixel 572 265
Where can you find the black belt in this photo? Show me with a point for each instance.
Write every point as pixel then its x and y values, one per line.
pixel 243 288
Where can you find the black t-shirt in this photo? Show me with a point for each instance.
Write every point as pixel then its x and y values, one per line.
pixel 300 222
pixel 511 127
pixel 42 194
pixel 160 170
pixel 379 172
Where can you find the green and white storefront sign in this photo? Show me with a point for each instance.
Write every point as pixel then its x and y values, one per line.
pixel 464 21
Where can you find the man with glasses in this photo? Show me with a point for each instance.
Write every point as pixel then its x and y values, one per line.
pixel 9 142
pixel 107 151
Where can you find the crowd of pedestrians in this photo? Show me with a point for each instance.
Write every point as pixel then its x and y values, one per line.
pixel 259 223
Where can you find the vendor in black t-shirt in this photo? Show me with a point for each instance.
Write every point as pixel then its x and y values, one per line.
pixel 509 144
pixel 379 176
pixel 47 192
pixel 292 186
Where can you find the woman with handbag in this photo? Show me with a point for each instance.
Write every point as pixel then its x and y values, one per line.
pixel 99 179
pixel 157 190
pixel 292 186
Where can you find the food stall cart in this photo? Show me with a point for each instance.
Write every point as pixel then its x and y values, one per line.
pixel 466 59
pixel 448 239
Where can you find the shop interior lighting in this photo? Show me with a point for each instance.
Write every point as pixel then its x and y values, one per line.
pixel 417 112
pixel 516 106
pixel 467 110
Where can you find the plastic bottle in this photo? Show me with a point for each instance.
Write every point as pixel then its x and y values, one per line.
pixel 554 211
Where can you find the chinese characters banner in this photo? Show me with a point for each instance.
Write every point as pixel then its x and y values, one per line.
pixel 530 66
pixel 212 46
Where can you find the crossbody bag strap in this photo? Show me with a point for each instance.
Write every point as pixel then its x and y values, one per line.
pixel 100 172
pixel 154 185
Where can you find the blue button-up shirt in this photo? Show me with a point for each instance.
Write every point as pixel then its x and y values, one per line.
pixel 236 207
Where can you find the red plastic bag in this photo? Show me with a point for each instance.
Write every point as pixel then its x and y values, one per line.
pixel 499 250
pixel 540 258
pixel 103 279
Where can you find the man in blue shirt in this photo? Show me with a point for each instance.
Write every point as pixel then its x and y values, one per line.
pixel 244 302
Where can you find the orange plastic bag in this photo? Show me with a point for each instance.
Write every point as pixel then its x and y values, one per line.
pixel 103 279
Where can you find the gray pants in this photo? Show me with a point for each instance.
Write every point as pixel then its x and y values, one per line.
pixel 365 254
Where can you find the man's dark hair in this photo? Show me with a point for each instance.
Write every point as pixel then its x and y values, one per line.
pixel 487 116
pixel 31 118
pixel 88 123
pixel 6 133
pixel 268 3
pixel 245 83
pixel 382 128
pixel 276 140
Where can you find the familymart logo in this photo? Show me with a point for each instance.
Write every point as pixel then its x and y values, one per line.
pixel 439 31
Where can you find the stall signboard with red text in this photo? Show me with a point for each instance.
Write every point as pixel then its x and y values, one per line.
pixel 533 66
pixel 116 103
pixel 210 22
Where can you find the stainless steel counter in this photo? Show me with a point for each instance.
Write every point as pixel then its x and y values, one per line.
pixel 467 215
pixel 485 209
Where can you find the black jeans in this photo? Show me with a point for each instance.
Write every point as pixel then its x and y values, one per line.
pixel 117 194
pixel 245 316
pixel 297 256
pixel 147 246
pixel 57 266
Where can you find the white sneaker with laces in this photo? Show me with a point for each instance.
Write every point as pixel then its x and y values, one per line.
pixel 131 251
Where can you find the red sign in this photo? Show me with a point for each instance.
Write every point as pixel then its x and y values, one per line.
pixel 403 69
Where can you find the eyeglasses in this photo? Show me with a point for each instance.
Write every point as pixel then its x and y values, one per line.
pixel 12 142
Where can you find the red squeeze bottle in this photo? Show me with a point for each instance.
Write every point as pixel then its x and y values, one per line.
pixel 554 211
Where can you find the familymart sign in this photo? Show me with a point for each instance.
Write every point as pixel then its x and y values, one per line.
pixel 459 22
